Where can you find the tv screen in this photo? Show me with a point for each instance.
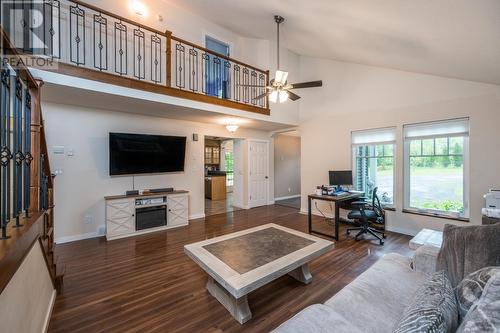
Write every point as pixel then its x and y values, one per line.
pixel 139 153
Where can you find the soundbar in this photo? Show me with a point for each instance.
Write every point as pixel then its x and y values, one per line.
pixel 134 192
pixel 161 190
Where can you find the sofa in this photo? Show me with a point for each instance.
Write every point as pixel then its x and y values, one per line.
pixel 373 302
pixel 377 299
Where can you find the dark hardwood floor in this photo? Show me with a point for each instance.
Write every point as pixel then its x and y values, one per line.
pixel 148 284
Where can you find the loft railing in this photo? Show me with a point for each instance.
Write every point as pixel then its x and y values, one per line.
pixel 85 36
pixel 199 70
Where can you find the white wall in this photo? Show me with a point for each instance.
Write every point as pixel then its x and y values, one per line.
pixel 80 190
pixel 286 165
pixel 358 97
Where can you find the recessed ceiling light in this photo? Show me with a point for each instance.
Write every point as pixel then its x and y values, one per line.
pixel 138 7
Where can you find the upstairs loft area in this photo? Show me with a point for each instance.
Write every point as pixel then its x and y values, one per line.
pixel 85 41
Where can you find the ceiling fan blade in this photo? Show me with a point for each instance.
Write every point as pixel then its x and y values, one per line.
pixel 261 96
pixel 310 84
pixel 293 96
pixel 251 85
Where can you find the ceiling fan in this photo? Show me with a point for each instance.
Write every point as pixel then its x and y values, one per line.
pixel 279 88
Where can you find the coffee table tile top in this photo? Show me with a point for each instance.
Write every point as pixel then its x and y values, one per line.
pixel 247 252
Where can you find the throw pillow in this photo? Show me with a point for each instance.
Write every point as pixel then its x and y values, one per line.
pixel 484 316
pixel 471 288
pixel 434 308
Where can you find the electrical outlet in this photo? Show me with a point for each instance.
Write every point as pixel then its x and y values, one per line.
pixel 87 219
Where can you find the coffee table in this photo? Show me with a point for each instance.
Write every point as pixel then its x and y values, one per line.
pixel 241 262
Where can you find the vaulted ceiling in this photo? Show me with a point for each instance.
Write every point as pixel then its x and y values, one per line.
pixel 451 38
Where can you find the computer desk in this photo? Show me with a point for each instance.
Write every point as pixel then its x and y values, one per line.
pixel 337 200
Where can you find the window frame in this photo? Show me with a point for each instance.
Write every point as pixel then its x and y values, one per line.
pixel 354 146
pixel 465 179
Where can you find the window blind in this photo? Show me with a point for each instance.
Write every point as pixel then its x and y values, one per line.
pixel 372 136
pixel 453 127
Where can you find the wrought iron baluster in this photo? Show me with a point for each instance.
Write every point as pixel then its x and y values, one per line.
pixel 51 27
pixel 100 28
pixel 216 76
pixel 262 82
pixel 139 44
pixel 27 7
pixel 193 70
pixel 156 61
pixel 5 153
pixel 27 152
pixel 226 88
pixel 237 82
pixel 18 154
pixel 253 76
pixel 180 65
pixel 205 70
pixel 121 48
pixel 246 79
pixel 77 33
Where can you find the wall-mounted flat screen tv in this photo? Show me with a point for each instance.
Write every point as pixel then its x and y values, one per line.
pixel 131 154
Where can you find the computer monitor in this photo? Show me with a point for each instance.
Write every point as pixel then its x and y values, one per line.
pixel 339 178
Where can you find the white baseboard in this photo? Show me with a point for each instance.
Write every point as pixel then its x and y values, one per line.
pixel 241 206
pixel 197 216
pixel 271 202
pixel 67 239
pixel 400 230
pixel 288 197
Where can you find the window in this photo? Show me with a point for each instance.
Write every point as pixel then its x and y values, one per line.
pixel 217 76
pixel 229 167
pixel 373 160
pixel 436 160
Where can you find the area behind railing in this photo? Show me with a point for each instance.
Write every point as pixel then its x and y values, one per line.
pixel 85 36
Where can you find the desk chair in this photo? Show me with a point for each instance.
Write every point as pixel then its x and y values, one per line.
pixel 367 215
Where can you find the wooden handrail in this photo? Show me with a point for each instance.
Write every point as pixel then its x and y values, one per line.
pixel 218 54
pixel 124 19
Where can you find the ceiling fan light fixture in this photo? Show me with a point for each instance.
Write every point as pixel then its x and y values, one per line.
pixel 283 96
pixel 281 77
pixel 273 96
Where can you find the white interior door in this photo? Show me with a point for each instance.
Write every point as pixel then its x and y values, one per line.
pixel 258 173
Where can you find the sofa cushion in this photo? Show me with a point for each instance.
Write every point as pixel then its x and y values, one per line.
pixel 470 289
pixel 376 299
pixel 484 316
pixel 434 308
pixel 317 318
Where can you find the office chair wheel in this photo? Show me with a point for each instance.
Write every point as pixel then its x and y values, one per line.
pixel 381 242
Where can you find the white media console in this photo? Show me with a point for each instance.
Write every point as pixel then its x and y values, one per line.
pixel 139 214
